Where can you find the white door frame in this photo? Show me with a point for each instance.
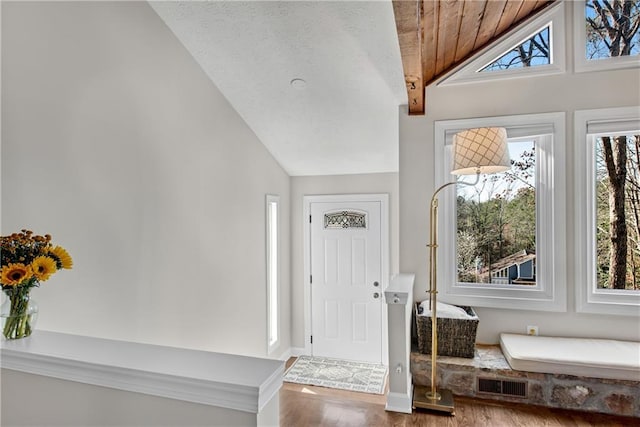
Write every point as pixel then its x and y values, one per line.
pixel 384 247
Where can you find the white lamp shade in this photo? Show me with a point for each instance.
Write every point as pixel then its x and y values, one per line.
pixel 480 150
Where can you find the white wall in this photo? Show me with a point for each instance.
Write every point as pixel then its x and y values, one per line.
pixel 116 143
pixel 337 184
pixel 562 93
pixel 55 402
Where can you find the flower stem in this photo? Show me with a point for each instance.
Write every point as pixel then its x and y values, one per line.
pixel 18 322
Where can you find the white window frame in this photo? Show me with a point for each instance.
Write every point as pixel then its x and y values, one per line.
pixel 549 294
pixel 470 72
pixel 588 124
pixel 581 63
pixel 272 214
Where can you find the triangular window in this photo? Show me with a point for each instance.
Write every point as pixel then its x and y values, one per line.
pixel 536 48
pixel 534 51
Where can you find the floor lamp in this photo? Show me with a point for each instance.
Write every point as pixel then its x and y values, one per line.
pixel 475 151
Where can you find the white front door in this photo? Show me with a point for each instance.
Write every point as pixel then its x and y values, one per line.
pixel 346 280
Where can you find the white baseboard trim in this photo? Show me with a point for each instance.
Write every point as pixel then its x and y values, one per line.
pixel 285 356
pixel 400 402
pixel 298 351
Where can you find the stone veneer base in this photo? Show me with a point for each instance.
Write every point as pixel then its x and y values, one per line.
pixel 460 375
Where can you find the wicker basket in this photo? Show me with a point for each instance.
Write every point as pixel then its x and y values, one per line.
pixel 456 337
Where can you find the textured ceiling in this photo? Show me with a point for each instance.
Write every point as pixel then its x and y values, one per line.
pixel 345 120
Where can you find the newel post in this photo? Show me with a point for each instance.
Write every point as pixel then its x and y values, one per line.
pixel 399 299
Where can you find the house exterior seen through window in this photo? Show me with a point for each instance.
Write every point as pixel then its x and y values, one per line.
pixel 496 223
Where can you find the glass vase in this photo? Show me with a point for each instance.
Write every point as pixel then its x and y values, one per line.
pixel 18 314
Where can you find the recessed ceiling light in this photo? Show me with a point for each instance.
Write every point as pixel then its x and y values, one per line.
pixel 298 84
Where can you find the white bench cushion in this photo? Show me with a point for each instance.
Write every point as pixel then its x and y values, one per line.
pixel 583 357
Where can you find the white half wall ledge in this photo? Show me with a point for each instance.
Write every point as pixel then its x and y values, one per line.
pixel 224 380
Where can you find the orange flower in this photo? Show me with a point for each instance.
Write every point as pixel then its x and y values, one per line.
pixel 14 274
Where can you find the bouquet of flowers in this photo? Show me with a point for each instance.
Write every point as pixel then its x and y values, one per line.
pixel 26 260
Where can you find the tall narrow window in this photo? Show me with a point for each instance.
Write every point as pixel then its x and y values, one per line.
pixel 273 273
pixel 617 203
pixel 608 207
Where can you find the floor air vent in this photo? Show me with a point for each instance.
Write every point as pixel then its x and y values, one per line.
pixel 505 388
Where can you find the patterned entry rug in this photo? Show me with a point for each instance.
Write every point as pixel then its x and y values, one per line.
pixel 342 374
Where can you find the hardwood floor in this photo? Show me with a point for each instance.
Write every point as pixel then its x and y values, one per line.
pixel 304 405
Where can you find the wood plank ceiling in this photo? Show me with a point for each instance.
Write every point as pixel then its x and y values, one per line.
pixel 437 36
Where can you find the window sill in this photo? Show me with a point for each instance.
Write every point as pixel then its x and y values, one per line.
pixel 507 302
pixel 609 303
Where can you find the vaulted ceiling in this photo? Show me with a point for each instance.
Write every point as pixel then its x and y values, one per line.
pixel 437 36
pixel 320 82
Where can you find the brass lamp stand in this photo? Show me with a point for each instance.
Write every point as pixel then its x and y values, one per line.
pixel 476 151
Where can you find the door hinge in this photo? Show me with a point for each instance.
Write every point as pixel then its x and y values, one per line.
pixel 310 278
pixel 311 339
pixel 309 219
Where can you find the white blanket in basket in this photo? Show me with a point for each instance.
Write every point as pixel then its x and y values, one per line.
pixel 445 310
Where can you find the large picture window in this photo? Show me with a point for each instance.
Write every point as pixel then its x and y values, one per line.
pixel 608 207
pixel 503 239
pixel 496 222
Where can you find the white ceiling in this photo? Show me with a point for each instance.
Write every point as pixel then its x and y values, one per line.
pixel 345 120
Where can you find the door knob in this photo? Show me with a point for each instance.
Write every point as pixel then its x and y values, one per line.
pixel 376 284
pixel 376 295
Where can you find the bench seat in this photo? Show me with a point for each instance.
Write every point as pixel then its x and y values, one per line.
pixel 582 357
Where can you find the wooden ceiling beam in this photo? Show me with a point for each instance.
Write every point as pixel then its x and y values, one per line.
pixel 409 18
pixel 436 36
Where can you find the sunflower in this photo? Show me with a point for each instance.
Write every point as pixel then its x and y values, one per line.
pixel 43 267
pixel 14 274
pixel 62 257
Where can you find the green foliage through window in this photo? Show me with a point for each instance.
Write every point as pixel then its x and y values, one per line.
pixel 496 223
